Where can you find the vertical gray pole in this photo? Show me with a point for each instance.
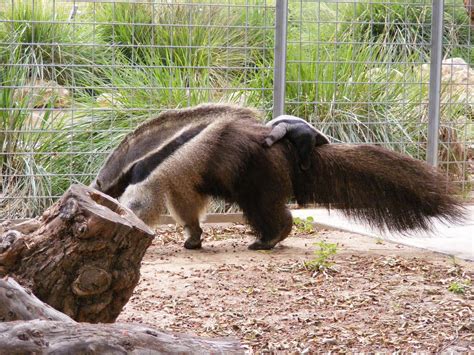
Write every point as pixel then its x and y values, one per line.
pixel 435 81
pixel 279 74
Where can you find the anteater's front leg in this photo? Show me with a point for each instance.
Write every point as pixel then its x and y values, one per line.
pixel 187 206
pixel 146 201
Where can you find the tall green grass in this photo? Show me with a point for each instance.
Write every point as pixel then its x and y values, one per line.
pixel 39 46
pixel 39 31
pixel 404 26
pixel 28 140
pixel 153 67
pixel 205 44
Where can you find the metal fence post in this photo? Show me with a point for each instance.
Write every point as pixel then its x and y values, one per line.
pixel 279 74
pixel 435 81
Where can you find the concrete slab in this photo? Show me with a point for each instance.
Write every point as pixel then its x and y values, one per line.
pixel 456 240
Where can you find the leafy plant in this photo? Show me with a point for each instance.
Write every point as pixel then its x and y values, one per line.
pixel 322 257
pixel 361 80
pixel 459 287
pixel 304 225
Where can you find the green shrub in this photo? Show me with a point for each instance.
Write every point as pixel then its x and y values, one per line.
pixel 354 99
pixel 361 81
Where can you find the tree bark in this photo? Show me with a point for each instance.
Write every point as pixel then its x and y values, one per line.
pixel 42 329
pixel 82 257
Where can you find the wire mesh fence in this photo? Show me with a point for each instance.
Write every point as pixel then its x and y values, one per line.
pixel 77 76
pixel 361 71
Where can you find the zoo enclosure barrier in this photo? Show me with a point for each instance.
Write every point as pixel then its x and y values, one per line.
pixel 76 76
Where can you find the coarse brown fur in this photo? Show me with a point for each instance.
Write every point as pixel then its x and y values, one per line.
pixel 226 160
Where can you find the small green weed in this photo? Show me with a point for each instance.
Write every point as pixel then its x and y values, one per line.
pixel 459 287
pixel 322 256
pixel 304 225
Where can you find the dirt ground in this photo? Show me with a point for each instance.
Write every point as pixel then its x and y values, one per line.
pixel 378 297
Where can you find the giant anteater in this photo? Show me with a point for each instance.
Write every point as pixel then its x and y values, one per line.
pixel 180 159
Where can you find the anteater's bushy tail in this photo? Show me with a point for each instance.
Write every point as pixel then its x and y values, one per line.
pixel 387 189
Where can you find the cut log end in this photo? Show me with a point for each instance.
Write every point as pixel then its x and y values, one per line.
pixel 82 256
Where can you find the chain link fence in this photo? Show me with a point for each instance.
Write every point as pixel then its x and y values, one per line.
pixel 76 76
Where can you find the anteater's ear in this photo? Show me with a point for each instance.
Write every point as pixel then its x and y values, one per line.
pixel 95 184
pixel 321 139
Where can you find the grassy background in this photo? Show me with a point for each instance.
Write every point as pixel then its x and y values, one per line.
pixel 354 69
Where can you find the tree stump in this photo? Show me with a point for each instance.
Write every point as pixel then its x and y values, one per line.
pixel 40 329
pixel 82 256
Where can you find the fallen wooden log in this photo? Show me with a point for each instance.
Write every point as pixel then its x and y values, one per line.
pixel 16 303
pixel 82 256
pixel 40 329
pixel 40 336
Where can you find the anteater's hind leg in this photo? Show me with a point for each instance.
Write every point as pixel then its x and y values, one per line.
pixel 271 220
pixel 186 209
